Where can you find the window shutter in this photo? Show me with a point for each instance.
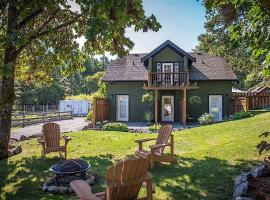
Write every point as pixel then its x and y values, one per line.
pixel 158 67
pixel 176 67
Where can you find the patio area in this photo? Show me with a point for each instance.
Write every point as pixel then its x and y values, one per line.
pixel 143 125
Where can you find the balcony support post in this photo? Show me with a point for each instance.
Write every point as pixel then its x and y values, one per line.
pixel 156 106
pixel 184 107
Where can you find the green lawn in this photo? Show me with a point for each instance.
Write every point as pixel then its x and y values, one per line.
pixel 209 157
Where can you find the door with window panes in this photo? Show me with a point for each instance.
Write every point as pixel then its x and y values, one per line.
pixel 167 69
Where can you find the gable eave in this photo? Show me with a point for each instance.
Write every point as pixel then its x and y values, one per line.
pixel 173 46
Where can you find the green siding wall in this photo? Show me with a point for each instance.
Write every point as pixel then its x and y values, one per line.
pixel 207 88
pixel 137 108
pixel 135 91
pixel 167 55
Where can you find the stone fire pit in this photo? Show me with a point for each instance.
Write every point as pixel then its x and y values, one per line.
pixel 253 185
pixel 66 171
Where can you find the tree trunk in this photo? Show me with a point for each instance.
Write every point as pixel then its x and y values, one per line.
pixel 8 72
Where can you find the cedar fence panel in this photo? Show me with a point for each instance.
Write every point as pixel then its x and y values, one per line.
pixel 100 110
pixel 249 101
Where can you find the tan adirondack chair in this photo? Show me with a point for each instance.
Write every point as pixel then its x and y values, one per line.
pixel 50 140
pixel 156 151
pixel 123 182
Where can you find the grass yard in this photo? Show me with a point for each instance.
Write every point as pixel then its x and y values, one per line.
pixel 209 157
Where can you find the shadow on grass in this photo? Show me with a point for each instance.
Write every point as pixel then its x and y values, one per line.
pixel 21 179
pixel 209 178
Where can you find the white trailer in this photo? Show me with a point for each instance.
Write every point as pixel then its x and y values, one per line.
pixel 78 107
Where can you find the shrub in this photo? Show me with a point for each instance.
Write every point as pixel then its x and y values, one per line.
pixel 79 97
pixel 206 118
pixel 89 116
pixel 115 127
pixel 242 115
pixel 195 100
pixel 154 127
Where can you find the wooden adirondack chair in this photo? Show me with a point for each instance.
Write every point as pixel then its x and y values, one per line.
pixel 123 182
pixel 156 151
pixel 50 140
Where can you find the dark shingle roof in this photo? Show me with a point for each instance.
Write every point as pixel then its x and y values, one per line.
pixel 210 67
pixel 206 67
pixel 128 68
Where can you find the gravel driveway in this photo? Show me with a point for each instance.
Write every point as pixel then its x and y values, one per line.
pixel 71 125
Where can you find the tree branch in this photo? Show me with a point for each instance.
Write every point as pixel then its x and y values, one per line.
pixel 47 22
pixel 40 34
pixel 29 18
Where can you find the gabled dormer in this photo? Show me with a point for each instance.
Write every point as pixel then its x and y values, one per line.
pixel 168 66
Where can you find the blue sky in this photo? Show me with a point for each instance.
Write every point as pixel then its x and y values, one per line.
pixel 182 22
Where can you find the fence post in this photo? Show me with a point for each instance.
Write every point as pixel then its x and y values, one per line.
pixel 247 104
pixel 23 119
pixel 59 116
pixel 94 111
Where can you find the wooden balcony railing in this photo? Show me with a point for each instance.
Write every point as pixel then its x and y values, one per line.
pixel 164 79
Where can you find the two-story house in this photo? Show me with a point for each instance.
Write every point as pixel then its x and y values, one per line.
pixel 174 75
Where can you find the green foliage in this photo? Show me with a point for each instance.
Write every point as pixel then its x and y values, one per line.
pixel 148 97
pixel 242 115
pixel 89 116
pixel 247 24
pixel 87 97
pixel 44 44
pixel 154 127
pixel 218 41
pixel 148 116
pixel 195 100
pixel 206 118
pixel 115 127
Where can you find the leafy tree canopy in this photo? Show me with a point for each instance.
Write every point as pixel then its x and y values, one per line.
pixel 248 24
pixel 46 31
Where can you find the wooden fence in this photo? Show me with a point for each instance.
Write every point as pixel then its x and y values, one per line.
pixel 100 110
pixel 28 119
pixel 249 101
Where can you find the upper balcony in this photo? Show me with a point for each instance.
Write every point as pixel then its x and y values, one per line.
pixel 169 81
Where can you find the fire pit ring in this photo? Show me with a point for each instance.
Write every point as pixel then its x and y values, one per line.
pixel 69 170
pixel 70 166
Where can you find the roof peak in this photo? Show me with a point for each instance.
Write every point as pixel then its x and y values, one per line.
pixel 173 46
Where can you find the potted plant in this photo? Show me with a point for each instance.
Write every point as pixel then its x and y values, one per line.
pixel 148 118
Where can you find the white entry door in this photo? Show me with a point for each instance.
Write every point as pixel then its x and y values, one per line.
pixel 122 106
pixel 215 106
pixel 168 108
pixel 167 78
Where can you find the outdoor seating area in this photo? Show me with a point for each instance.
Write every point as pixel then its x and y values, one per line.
pixel 207 161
